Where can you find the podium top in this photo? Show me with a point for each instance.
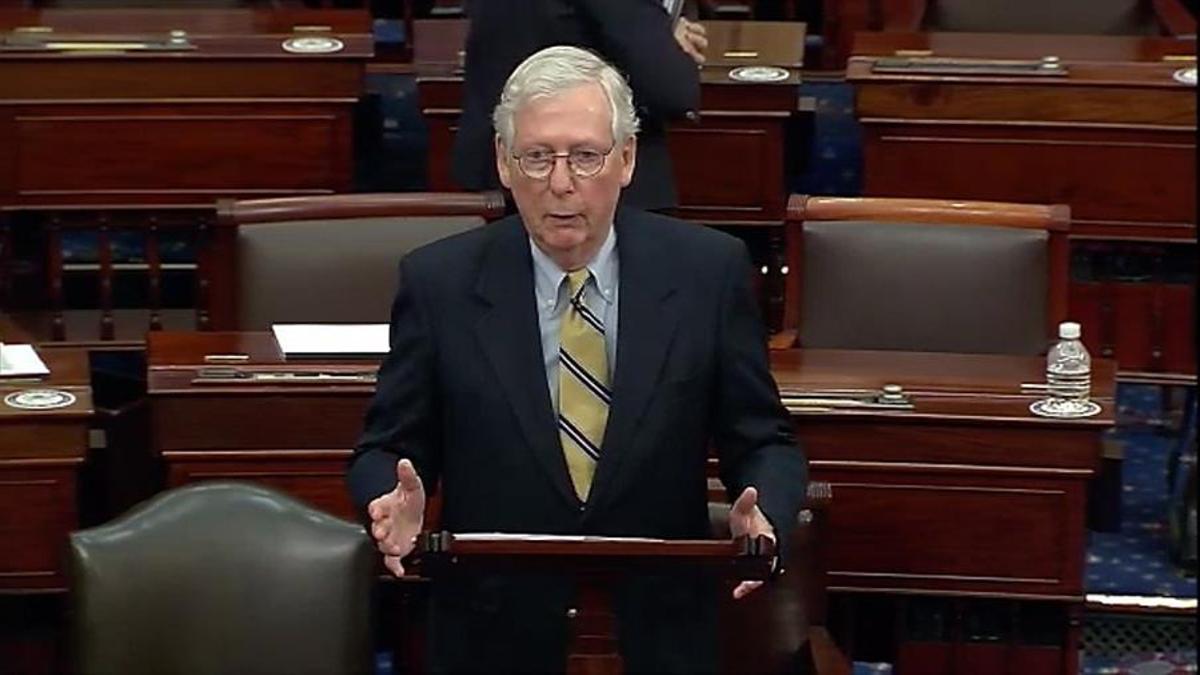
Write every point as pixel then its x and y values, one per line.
pixel 742 557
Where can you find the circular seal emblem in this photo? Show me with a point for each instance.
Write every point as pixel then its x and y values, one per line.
pixel 39 399
pixel 759 74
pixel 1064 409
pixel 1185 76
pixel 313 44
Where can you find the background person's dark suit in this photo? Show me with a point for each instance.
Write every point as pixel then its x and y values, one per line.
pixel 464 396
pixel 635 36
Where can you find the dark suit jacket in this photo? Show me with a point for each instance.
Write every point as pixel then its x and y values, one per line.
pixel 464 395
pixel 633 35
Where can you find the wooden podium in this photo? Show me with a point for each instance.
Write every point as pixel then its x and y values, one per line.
pixel 594 562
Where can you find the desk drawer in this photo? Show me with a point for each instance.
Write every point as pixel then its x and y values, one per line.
pixel 293 421
pixel 939 531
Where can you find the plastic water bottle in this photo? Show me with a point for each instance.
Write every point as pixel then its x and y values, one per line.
pixel 1069 366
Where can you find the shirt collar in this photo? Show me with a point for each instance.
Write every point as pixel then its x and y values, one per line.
pixel 548 276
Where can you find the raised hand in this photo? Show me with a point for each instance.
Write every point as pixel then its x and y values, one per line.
pixel 397 517
pixel 745 518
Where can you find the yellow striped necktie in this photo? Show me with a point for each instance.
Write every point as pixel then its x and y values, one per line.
pixel 583 389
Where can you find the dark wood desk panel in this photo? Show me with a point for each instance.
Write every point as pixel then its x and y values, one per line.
pixel 296 438
pixel 1115 138
pixel 236 115
pixel 966 493
pixel 729 163
pixel 40 455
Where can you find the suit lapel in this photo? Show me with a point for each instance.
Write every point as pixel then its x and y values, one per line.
pixel 648 318
pixel 508 333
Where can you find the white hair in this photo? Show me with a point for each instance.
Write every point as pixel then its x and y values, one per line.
pixel 555 70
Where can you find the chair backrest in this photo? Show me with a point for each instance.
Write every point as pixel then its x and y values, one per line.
pixel 333 259
pixel 222 578
pixel 926 275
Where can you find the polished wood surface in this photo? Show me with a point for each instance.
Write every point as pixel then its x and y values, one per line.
pixel 40 455
pixel 1118 107
pixel 234 115
pixel 1114 138
pixel 845 19
pixel 729 163
pixel 966 493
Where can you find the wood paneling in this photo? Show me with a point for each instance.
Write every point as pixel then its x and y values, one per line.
pixel 159 153
pixel 1114 137
pixel 40 455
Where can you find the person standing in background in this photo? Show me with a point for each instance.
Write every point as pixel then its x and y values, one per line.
pixel 657 54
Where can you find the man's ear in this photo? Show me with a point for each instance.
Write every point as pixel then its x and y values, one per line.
pixel 629 160
pixel 502 166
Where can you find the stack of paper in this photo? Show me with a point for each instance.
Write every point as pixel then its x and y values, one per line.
pixel 21 361
pixel 346 340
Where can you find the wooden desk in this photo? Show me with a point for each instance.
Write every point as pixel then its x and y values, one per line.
pixel 970 452
pixel 1115 138
pixel 730 164
pixel 294 437
pixel 967 501
pixel 968 494
pixel 147 141
pixel 40 455
pixel 231 115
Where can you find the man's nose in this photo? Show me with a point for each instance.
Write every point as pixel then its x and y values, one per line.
pixel 561 179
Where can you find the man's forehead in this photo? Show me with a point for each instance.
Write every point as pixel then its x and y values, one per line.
pixel 585 99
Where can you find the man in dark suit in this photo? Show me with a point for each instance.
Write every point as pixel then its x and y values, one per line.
pixel 636 36
pixel 565 371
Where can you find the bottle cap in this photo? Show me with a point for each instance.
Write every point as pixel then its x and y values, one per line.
pixel 1068 330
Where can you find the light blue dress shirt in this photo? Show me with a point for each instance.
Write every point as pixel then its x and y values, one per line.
pixel 599 295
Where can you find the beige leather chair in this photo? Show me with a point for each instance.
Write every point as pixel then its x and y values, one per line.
pixel 924 275
pixel 331 258
pixel 222 578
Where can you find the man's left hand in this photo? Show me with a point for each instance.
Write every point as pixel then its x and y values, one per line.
pixel 745 518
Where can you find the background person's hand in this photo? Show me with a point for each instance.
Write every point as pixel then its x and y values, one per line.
pixel 397 517
pixel 692 38
pixel 745 518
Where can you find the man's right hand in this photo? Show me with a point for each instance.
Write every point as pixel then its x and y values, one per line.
pixel 397 517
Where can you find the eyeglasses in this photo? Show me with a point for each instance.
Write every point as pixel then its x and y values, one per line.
pixel 583 162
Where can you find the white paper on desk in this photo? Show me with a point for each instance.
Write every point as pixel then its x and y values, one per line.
pixel 332 339
pixel 21 361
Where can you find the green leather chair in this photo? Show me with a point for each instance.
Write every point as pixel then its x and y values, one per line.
pixel 219 578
